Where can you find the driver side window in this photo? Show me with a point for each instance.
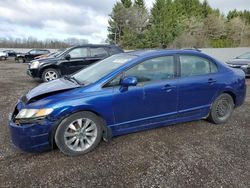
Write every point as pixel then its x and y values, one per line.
pixel 79 53
pixel 156 69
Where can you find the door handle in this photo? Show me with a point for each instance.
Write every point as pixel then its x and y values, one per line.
pixel 211 81
pixel 168 87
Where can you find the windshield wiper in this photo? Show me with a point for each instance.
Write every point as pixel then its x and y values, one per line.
pixel 72 79
pixel 77 81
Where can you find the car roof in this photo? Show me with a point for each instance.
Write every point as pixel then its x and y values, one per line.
pixel 40 49
pixel 95 45
pixel 161 52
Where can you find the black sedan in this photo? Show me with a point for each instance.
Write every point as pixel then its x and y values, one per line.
pixel 29 56
pixel 241 62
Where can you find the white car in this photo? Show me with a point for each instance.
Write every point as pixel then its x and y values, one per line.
pixel 3 55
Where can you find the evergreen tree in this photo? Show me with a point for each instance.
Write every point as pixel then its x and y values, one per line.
pixel 115 23
pixel 126 3
pixel 140 3
pixel 206 9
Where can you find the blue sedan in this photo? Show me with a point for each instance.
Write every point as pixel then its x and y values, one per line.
pixel 125 93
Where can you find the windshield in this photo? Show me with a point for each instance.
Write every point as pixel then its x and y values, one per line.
pixel 63 52
pixel 96 71
pixel 245 56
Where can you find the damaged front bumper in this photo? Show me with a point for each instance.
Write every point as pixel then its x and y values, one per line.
pixel 30 136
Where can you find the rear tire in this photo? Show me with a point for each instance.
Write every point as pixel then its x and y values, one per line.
pixel 79 133
pixel 50 74
pixel 222 109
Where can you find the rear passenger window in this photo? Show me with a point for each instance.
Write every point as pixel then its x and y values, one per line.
pixel 193 65
pixel 114 50
pixel 98 52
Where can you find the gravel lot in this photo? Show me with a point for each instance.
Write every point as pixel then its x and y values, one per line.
pixel 184 155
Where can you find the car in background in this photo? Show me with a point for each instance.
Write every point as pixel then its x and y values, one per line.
pixel 3 55
pixel 52 54
pixel 44 55
pixel 70 60
pixel 29 56
pixel 125 93
pixel 241 62
pixel 11 53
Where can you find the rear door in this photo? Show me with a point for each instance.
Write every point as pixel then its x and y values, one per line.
pixel 198 85
pixel 97 53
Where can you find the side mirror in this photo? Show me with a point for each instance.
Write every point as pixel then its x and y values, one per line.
pixel 67 57
pixel 129 81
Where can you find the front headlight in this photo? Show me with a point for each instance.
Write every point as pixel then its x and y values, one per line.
pixel 34 65
pixel 244 66
pixel 33 113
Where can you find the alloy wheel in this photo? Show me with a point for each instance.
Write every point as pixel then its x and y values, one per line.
pixel 80 134
pixel 51 75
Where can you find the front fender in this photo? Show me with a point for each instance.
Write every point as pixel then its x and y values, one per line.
pixel 46 66
pixel 61 114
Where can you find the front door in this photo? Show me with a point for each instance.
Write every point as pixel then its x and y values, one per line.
pixel 78 60
pixel 153 100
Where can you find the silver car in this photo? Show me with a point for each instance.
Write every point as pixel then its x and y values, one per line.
pixel 241 62
pixel 3 55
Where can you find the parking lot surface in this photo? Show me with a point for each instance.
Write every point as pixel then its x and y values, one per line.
pixel 191 154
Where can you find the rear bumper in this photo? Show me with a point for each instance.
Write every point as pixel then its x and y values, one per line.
pixel 245 69
pixel 241 95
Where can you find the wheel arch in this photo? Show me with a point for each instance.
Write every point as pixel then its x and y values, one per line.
pixel 48 67
pixel 232 94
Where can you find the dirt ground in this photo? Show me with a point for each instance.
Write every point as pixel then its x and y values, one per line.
pixel 191 154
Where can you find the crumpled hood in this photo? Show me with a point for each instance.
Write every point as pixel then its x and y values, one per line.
pixel 51 87
pixel 239 61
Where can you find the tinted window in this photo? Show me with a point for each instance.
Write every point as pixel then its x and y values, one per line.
pixel 78 53
pixel 98 52
pixel 193 65
pixel 156 69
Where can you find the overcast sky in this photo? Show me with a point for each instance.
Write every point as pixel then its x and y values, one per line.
pixel 83 19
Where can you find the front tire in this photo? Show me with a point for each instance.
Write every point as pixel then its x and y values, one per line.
pixel 20 60
pixel 222 109
pixel 79 133
pixel 50 74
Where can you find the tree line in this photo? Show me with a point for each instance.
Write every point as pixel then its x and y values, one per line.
pixel 32 42
pixel 176 24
